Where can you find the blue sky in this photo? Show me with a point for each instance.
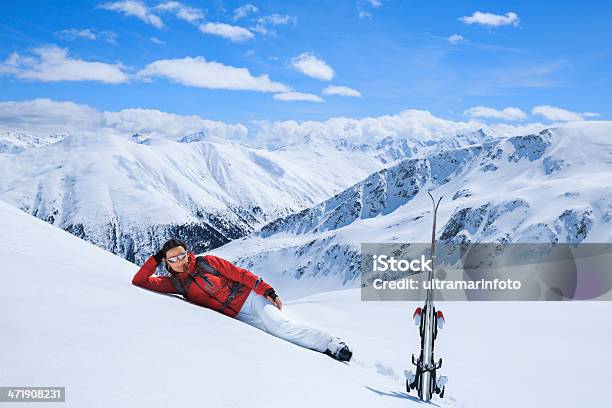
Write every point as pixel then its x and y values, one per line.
pixel 199 58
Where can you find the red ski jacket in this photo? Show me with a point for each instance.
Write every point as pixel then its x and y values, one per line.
pixel 211 282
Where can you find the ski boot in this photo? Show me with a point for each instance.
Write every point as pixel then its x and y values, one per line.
pixel 338 350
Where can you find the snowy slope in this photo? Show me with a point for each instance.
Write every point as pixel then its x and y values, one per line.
pixel 548 187
pixel 73 319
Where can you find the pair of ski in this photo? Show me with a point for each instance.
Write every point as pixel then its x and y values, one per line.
pixel 429 321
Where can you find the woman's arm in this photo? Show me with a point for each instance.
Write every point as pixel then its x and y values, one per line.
pixel 144 279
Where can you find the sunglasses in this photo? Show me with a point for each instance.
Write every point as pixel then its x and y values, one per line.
pixel 177 258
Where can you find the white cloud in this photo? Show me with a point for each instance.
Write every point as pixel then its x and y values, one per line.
pixel 276 19
pixel 51 63
pixel 200 73
pixel 341 90
pixel 134 8
pixel 558 114
pixel 312 66
pixel 41 117
pixel 189 14
pixel 298 96
pixel 410 124
pixel 262 30
pixel 151 122
pixel 108 36
pixel 157 41
pixel 262 23
pixel 590 114
pixel 88 34
pixel 363 5
pixel 364 14
pixel 505 114
pixel 230 32
pixel 455 39
pixel 489 19
pixel 243 11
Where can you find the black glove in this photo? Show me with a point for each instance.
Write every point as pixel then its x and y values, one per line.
pixel 159 256
pixel 270 292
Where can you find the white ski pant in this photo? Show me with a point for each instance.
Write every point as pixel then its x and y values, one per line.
pixel 259 312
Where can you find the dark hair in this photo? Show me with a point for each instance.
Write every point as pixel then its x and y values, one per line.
pixel 173 243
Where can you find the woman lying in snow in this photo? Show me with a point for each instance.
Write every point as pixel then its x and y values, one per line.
pixel 217 284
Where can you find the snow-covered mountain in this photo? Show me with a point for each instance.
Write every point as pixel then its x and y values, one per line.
pixel 11 142
pixel 78 322
pixel 548 187
pixel 391 149
pixel 129 194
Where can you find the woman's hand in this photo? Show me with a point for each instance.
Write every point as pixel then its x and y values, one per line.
pixel 276 302
pixel 273 298
pixel 159 257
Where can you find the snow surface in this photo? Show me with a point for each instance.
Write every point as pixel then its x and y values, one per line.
pixel 72 318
